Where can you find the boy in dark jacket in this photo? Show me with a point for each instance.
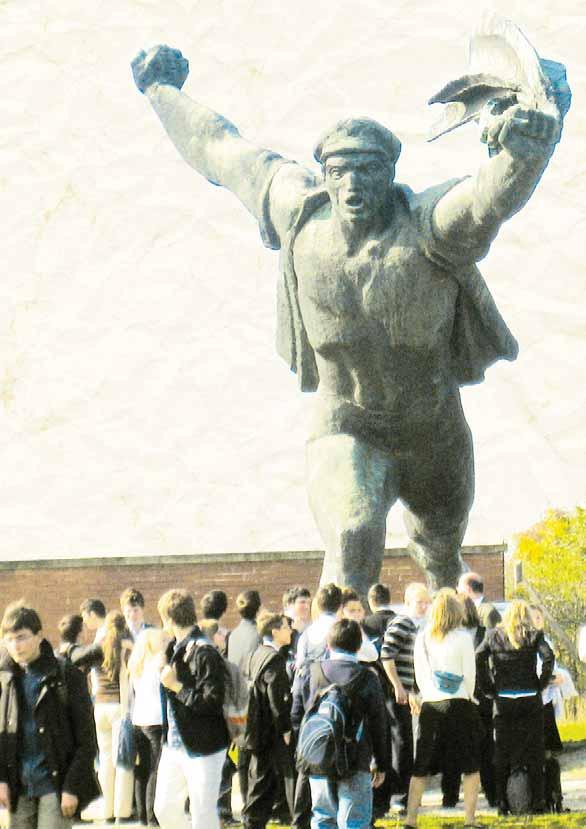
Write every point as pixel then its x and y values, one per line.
pixel 47 732
pixel 268 734
pixel 338 801
pixel 194 733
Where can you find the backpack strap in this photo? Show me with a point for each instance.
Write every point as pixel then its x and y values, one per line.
pixel 322 684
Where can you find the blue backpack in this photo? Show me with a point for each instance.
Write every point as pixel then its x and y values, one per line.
pixel 329 734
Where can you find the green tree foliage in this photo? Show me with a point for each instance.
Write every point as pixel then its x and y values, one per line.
pixel 553 554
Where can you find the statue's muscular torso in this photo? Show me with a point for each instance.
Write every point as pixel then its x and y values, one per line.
pixel 380 320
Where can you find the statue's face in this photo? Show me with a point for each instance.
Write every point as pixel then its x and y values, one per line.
pixel 358 184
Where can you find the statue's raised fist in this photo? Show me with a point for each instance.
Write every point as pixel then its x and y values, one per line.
pixel 522 131
pixel 161 64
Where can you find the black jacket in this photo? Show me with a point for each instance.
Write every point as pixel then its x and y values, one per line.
pixel 502 668
pixel 270 706
pixel 369 705
pixel 375 625
pixel 65 720
pixel 198 707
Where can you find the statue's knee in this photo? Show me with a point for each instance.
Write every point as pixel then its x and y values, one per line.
pixel 362 536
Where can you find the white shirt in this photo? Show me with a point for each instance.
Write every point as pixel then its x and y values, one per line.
pixel 313 635
pixel 368 651
pixel 147 708
pixel 582 643
pixel 454 654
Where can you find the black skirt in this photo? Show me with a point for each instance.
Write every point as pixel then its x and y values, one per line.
pixel 551 734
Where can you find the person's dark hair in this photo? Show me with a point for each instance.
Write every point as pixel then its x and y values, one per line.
pixel 471 617
pixel 248 604
pixel 131 596
pixel 268 621
pixel 349 595
pixel 96 606
pixel 345 635
pixel 379 594
pixel 70 627
pixel 329 598
pixel 18 616
pixel 178 606
pixel 214 604
pixel 473 582
pixel 296 592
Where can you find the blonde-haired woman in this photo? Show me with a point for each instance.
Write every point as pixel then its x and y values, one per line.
pixel 508 671
pixel 449 726
pixel 111 703
pixel 144 668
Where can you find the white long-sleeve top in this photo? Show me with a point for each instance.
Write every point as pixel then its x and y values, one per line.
pixel 455 654
pixel 147 709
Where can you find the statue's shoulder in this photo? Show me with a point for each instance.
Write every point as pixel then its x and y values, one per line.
pixel 426 199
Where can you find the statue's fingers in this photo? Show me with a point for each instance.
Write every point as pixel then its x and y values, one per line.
pixel 494 129
pixel 550 129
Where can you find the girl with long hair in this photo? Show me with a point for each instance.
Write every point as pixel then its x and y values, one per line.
pixel 144 668
pixel 508 672
pixel 111 704
pixel 449 727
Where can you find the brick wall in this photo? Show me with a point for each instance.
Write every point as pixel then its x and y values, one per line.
pixel 57 587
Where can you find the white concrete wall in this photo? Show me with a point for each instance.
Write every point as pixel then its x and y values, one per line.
pixel 143 409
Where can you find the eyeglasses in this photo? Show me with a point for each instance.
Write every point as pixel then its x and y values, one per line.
pixel 18 638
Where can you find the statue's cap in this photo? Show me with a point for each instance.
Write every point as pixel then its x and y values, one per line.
pixel 357 135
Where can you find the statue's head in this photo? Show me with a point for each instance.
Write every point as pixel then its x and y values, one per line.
pixel 358 157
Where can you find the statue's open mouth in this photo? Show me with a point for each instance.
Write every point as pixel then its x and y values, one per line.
pixel 355 202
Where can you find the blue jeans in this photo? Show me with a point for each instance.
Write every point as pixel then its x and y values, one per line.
pixel 341 804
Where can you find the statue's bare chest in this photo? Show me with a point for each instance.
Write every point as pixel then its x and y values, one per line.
pixel 388 287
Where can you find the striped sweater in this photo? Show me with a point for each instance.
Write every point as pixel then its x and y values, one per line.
pixel 398 645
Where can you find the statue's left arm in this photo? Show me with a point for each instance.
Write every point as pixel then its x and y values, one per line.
pixel 469 215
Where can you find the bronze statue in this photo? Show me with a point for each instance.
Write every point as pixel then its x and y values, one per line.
pixel 381 308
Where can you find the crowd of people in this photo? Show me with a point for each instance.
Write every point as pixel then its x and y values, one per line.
pixel 347 710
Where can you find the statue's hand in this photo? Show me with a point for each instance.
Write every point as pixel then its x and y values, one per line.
pixel 161 64
pixel 524 133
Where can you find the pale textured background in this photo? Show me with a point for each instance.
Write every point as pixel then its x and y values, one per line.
pixel 143 408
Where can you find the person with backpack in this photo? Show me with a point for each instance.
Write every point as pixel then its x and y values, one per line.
pixel 449 725
pixel 47 734
pixel 508 671
pixel 312 647
pixel 342 744
pixel 195 736
pixel 268 732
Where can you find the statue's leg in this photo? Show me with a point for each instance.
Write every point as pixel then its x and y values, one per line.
pixel 437 487
pixel 351 487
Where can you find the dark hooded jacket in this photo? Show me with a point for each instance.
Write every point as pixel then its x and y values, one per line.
pixel 65 720
pixel 269 710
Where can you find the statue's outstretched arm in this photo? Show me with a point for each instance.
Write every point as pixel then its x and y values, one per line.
pixel 207 141
pixel 471 212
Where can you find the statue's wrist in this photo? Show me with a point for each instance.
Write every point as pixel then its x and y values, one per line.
pixel 152 89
